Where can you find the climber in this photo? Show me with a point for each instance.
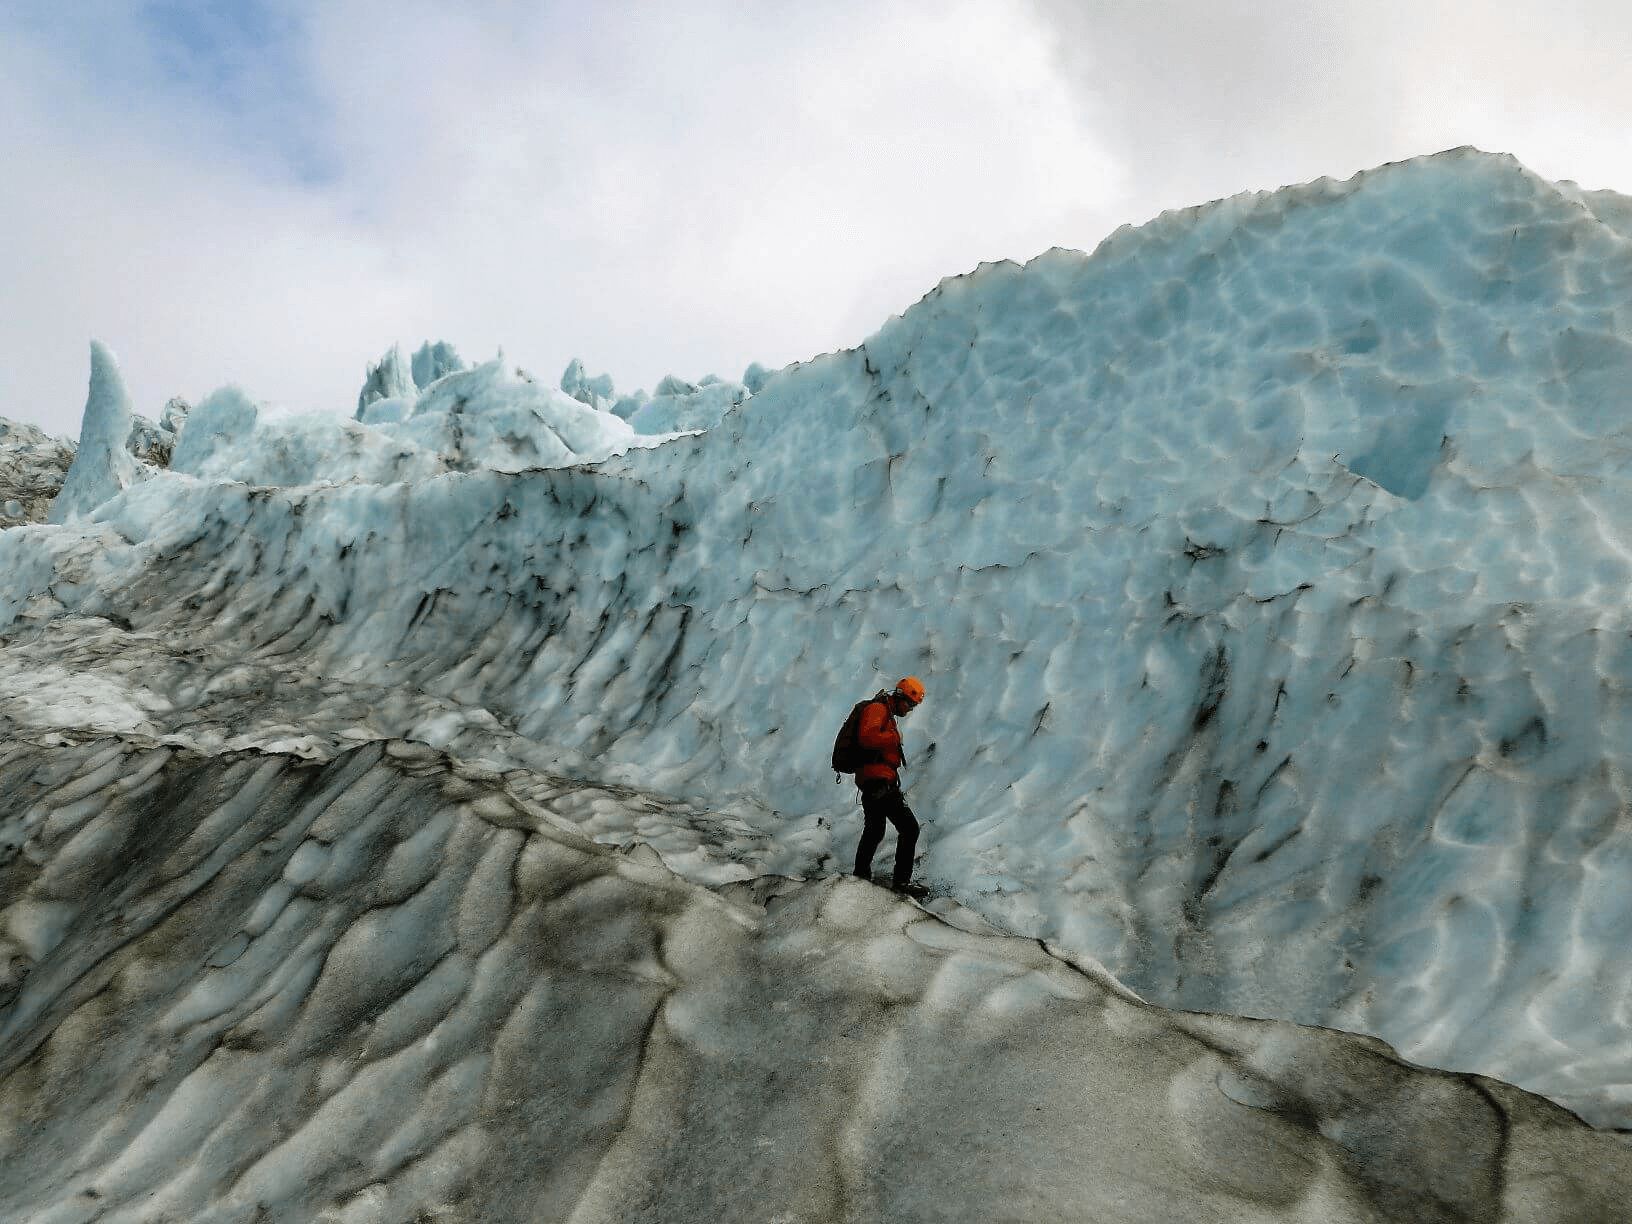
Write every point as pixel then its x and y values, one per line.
pixel 879 759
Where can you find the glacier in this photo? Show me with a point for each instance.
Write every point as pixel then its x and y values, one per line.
pixel 1266 570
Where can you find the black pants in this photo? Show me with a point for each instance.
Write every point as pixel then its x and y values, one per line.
pixel 881 801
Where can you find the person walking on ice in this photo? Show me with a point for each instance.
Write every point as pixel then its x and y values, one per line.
pixel 869 745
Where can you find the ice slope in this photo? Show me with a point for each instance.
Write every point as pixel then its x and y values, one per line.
pixel 1265 568
pixel 389 987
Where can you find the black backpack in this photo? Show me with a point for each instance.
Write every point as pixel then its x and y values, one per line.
pixel 848 755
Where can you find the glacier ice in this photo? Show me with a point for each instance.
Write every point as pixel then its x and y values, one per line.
pixel 678 405
pixel 390 379
pixel 432 361
pixel 1266 568
pixel 150 441
pixel 597 392
pixel 491 416
pixel 102 464
pixel 174 415
pixel 223 419
pixel 755 377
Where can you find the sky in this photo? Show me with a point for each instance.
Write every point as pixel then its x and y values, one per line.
pixel 273 192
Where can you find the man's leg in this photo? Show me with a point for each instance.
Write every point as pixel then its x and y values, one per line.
pixel 906 834
pixel 872 831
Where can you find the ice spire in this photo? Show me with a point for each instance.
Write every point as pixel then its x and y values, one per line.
pixel 102 467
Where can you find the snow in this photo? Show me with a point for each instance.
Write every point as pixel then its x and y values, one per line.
pixel 1265 568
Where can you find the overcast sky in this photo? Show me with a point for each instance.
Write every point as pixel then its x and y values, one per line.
pixel 272 192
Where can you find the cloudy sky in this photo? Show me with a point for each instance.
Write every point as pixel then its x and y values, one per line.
pixel 271 192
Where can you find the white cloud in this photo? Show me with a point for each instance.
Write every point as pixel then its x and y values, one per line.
pixel 1548 84
pixel 690 190
pixel 138 225
pixel 1206 99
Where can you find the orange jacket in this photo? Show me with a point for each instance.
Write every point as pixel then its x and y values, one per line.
pixel 877 735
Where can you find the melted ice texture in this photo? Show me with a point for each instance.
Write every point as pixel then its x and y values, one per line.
pixel 1266 569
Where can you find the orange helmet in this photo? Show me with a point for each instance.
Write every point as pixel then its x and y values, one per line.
pixel 912 689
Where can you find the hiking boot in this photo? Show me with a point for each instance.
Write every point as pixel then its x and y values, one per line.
pixel 916 891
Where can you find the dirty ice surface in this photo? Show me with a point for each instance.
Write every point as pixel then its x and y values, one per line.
pixel 1266 569
pixel 388 987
